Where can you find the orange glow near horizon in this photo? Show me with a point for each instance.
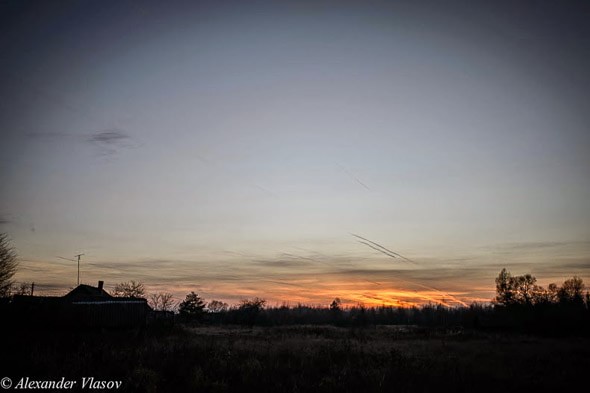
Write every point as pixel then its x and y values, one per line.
pixel 312 289
pixel 351 293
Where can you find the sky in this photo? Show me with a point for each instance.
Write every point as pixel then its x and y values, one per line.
pixel 382 152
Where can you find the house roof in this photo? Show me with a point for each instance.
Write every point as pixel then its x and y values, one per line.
pixel 85 292
pixel 82 294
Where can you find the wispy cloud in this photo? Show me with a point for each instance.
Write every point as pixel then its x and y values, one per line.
pixel 111 141
pixel 282 263
pixel 109 137
pixel 107 142
pixel 529 245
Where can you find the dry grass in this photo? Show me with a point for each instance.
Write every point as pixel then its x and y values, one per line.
pixel 305 359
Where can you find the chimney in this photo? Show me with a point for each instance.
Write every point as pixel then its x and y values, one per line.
pixel 100 285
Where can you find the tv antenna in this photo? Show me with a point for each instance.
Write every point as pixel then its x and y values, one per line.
pixel 74 260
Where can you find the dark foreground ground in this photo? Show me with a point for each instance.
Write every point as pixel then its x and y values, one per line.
pixel 301 359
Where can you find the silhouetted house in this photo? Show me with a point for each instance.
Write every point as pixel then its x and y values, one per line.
pixel 83 307
pixel 85 292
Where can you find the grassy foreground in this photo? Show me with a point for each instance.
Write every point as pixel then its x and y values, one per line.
pixel 303 359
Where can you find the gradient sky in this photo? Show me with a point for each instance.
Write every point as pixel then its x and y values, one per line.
pixel 234 148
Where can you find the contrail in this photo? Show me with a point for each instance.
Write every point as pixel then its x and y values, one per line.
pixel 384 250
pixel 378 249
pixel 437 290
pixel 393 254
pixel 289 255
pixel 353 177
pixel 266 191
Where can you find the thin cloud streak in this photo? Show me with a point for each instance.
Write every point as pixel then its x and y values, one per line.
pixel 110 141
pixel 109 137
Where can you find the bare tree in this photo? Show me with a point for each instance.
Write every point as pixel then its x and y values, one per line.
pixel 506 293
pixel 250 309
pixel 526 288
pixel 217 306
pixel 162 301
pixel 8 265
pixel 23 288
pixel 129 289
pixel 572 291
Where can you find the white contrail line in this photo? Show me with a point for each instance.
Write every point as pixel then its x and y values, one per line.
pixel 353 177
pixel 393 254
pixel 377 249
pixel 382 249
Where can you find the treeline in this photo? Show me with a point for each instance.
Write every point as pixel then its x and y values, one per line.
pixel 520 305
pixel 524 291
pixel 356 316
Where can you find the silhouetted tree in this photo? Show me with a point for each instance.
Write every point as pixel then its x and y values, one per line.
pixel 336 311
pixel 217 306
pixel 572 291
pixel 162 301
pixel 505 289
pixel 525 289
pixel 8 265
pixel 250 309
pixel 22 289
pixel 552 294
pixel 336 304
pixel 129 289
pixel 191 308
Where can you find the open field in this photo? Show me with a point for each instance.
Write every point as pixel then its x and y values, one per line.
pixel 304 358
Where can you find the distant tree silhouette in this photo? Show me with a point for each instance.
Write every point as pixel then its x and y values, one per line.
pixel 217 306
pixel 191 308
pixel 522 290
pixel 505 289
pixel 552 294
pixel 8 265
pixel 336 311
pixel 572 291
pixel 22 289
pixel 162 301
pixel 252 304
pixel 525 288
pixel 336 304
pixel 129 289
pixel 250 309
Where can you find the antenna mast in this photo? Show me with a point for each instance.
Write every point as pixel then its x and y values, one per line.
pixel 78 256
pixel 74 260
